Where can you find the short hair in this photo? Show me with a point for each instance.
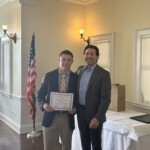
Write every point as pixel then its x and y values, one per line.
pixel 67 52
pixel 93 47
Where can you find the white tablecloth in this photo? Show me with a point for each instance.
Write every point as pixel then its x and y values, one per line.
pixel 120 133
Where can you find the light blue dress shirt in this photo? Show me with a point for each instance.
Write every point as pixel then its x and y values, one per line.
pixel 84 81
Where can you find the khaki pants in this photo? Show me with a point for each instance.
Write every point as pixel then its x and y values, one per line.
pixel 59 127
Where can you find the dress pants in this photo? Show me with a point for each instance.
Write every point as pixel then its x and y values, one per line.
pixel 59 127
pixel 89 136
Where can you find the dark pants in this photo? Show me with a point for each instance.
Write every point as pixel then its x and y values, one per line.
pixel 88 135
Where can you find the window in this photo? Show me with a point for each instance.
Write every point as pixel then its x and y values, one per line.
pixel 5 65
pixel 142 67
pixel 105 43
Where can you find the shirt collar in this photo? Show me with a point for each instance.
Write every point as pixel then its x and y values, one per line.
pixel 64 74
pixel 92 67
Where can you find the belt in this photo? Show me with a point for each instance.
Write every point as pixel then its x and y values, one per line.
pixel 60 112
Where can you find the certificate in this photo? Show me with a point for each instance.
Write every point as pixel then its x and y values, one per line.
pixel 61 101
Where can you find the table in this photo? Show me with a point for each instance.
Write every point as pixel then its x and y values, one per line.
pixel 120 132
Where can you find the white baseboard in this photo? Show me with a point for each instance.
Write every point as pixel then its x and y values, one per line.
pixel 138 107
pixel 10 122
pixel 16 127
pixel 29 128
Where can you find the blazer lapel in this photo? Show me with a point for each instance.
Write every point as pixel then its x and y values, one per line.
pixel 55 80
pixel 70 81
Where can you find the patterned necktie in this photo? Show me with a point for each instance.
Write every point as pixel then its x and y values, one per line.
pixel 63 83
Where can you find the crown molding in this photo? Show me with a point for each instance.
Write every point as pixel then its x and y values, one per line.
pixel 2 2
pixel 81 2
pixel 33 2
pixel 28 2
pixel 16 2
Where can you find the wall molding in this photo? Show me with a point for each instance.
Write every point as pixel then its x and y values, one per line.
pixel 16 127
pixel 81 2
pixel 137 106
pixel 29 2
pixel 34 2
pixel 29 128
pixel 2 2
pixel 17 2
pixel 14 112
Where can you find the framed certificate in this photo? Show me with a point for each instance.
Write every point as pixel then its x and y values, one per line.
pixel 61 101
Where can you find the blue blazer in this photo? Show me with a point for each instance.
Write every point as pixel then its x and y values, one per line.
pixel 50 84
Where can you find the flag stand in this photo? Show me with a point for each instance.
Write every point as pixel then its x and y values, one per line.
pixel 34 133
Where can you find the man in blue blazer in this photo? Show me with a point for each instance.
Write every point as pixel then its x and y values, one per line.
pixel 94 92
pixel 57 122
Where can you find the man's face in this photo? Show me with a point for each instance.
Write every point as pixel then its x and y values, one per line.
pixel 65 62
pixel 90 56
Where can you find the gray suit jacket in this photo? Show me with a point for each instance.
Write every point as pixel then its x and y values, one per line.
pixel 98 94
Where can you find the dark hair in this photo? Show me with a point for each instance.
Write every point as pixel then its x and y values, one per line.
pixel 93 47
pixel 67 52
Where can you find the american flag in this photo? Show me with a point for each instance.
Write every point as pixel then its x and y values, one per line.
pixel 31 98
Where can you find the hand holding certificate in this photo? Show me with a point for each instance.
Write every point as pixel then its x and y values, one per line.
pixel 61 101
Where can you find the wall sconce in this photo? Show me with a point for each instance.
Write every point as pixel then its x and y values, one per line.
pixel 81 34
pixel 4 27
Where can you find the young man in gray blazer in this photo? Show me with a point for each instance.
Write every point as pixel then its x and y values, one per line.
pixel 94 92
pixel 57 122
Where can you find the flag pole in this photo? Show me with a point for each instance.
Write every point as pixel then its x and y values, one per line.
pixel 33 133
pixel 31 89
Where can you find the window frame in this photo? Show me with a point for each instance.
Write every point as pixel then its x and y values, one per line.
pixel 110 38
pixel 140 34
pixel 5 43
